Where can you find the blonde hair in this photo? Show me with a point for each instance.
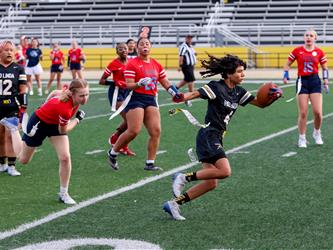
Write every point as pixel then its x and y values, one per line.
pixel 312 30
pixel 72 89
pixel 3 43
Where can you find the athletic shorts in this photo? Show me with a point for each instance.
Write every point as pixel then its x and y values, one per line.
pixel 75 66
pixel 35 70
pixel 44 130
pixel 141 101
pixel 57 68
pixel 308 84
pixel 209 145
pixel 8 108
pixel 122 94
pixel 188 72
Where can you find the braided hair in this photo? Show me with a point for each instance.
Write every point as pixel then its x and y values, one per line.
pixel 224 66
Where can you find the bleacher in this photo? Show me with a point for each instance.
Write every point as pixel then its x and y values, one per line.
pixel 281 21
pixel 106 22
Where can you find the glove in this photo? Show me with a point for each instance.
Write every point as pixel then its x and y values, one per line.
pixel 121 84
pixel 326 88
pixel 144 81
pixel 178 98
pixel 80 114
pixel 275 93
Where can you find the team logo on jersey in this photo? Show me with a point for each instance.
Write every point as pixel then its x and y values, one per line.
pixel 230 105
pixel 218 146
pixel 314 53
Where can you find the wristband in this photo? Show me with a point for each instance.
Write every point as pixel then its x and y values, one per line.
pixel 286 74
pixel 325 74
pixel 173 90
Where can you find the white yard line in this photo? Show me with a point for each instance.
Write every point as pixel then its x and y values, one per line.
pixel 83 204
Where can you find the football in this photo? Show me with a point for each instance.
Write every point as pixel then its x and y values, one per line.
pixel 263 96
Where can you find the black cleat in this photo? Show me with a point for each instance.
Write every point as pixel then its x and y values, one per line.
pixel 152 167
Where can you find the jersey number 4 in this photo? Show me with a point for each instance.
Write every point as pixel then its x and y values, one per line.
pixel 5 87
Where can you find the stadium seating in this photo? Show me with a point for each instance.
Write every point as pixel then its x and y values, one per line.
pixel 106 22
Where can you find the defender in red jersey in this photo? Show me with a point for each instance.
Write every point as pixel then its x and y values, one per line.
pixel 117 91
pixel 308 85
pixel 75 57
pixel 142 75
pixel 57 66
pixel 54 120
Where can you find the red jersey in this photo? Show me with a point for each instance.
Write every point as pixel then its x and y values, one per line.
pixel 307 61
pixel 55 111
pixel 137 69
pixel 75 55
pixel 20 59
pixel 58 57
pixel 116 68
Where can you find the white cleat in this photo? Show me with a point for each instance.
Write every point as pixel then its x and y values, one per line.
pixel 317 138
pixel 65 198
pixel 3 167
pixel 172 208
pixel 31 92
pixel 302 143
pixel 11 170
pixel 178 184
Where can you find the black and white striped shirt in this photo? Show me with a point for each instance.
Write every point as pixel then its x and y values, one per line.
pixel 188 53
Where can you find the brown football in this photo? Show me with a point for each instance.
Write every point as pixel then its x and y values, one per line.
pixel 262 94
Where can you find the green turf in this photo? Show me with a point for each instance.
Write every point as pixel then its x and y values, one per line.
pixel 269 202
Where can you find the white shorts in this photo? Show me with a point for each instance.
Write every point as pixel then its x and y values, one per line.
pixel 35 70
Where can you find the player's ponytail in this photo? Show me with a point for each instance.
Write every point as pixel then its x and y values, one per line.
pixel 73 87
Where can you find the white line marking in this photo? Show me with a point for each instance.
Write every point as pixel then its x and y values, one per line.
pixel 83 204
pixel 69 210
pixel 289 154
pixel 241 152
pixel 161 152
pixel 96 151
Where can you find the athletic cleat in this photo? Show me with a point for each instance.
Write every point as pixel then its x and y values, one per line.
pixel 112 160
pixel 302 143
pixel 11 170
pixel 31 92
pixel 3 168
pixel 113 139
pixel 126 151
pixel 188 103
pixel 152 167
pixel 65 198
pixel 40 93
pixel 178 184
pixel 11 123
pixel 317 138
pixel 172 208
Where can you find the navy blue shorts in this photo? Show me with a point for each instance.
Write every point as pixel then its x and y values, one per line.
pixel 75 66
pixel 188 72
pixel 141 101
pixel 209 145
pixel 44 130
pixel 8 107
pixel 308 84
pixel 57 68
pixel 122 94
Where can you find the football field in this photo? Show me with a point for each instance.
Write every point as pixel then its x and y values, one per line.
pixel 278 197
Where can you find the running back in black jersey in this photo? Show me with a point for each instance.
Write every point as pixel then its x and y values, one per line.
pixel 10 78
pixel 223 102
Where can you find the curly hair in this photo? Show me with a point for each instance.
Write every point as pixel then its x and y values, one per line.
pixel 224 66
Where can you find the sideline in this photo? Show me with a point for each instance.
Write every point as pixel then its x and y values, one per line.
pixel 24 227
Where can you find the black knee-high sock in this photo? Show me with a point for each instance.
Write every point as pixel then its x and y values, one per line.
pixel 191 176
pixel 11 161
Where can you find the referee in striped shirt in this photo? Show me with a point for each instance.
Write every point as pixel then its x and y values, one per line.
pixel 187 60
